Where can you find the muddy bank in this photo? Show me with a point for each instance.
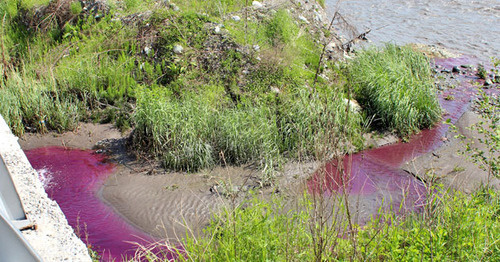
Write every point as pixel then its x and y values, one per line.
pixel 448 166
pixel 84 137
pixel 457 83
pixel 167 204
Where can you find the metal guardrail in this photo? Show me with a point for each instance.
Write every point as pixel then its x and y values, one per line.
pixel 13 246
pixel 10 204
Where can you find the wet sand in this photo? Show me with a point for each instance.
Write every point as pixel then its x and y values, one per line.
pixel 448 166
pixel 169 204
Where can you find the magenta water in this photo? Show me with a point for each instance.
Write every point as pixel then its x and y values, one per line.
pixel 73 178
pixel 377 172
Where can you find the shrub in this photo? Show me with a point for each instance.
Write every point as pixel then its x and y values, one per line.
pixel 281 28
pixel 190 132
pixel 395 86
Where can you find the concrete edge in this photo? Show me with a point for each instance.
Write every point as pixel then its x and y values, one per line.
pixel 53 239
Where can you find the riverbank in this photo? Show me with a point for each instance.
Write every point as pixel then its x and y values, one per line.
pixel 165 203
pixel 217 102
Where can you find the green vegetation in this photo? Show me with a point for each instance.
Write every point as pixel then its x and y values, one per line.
pixel 451 226
pixel 395 87
pixel 238 92
pixel 25 103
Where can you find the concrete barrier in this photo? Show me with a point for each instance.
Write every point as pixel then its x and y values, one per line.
pixel 53 239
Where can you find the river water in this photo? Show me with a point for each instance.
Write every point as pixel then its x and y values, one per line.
pixel 73 179
pixel 468 27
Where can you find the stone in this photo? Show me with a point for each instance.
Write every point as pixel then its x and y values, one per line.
pixel 455 69
pixel 236 18
pixel 445 70
pixel 497 78
pixel 488 82
pixel 353 105
pixel 275 90
pixel 467 66
pixel 217 30
pixel 257 4
pixel 174 7
pixel 303 19
pixel 317 16
pixel 178 49
pixel 330 47
pixel 256 47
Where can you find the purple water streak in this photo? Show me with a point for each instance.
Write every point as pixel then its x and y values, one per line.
pixel 73 178
pixel 366 174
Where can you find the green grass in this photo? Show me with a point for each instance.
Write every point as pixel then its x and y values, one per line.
pixel 395 86
pixel 452 227
pixel 26 103
pixel 191 133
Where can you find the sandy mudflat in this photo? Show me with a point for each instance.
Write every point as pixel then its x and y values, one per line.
pixel 167 204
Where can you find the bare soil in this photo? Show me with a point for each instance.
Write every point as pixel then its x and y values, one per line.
pixel 448 165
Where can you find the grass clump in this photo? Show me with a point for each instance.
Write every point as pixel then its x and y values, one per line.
pixel 395 86
pixel 29 104
pixel 201 130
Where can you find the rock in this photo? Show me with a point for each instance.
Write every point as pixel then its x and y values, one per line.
pixel 257 4
pixel 488 82
pixel 217 30
pixel 174 7
pixel 178 49
pixel 353 105
pixel 275 90
pixel 256 47
pixel 497 78
pixel 455 69
pixel 467 66
pixel 445 70
pixel 303 19
pixel 317 16
pixel 331 47
pixel 236 18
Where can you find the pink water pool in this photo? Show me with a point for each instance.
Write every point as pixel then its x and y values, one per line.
pixel 73 178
